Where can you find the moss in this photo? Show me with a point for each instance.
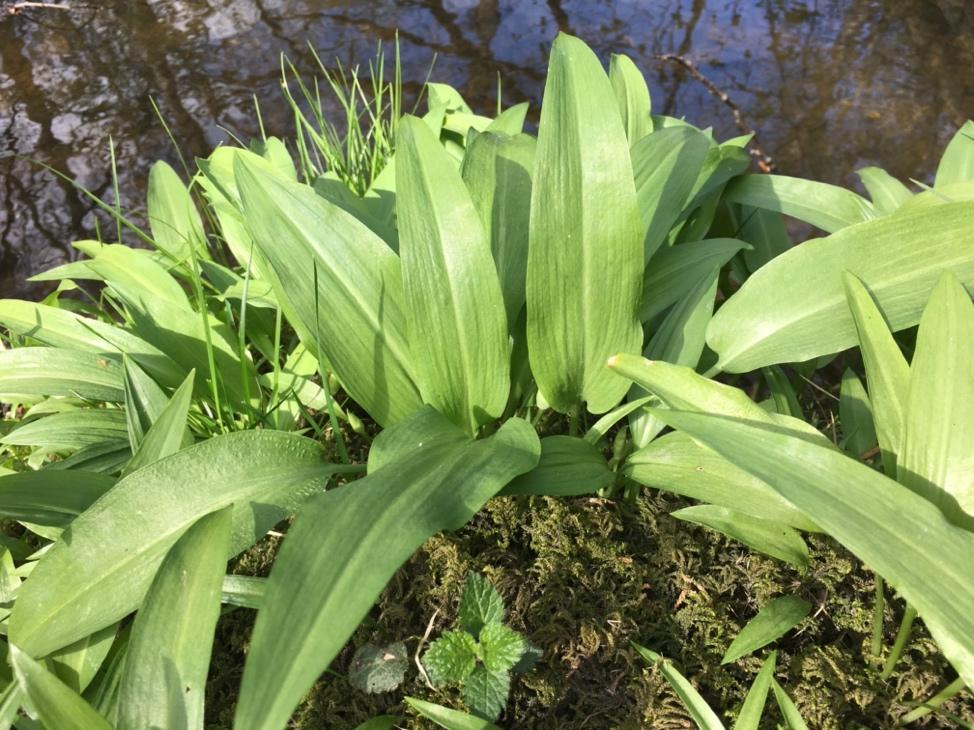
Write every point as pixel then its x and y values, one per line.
pixel 583 578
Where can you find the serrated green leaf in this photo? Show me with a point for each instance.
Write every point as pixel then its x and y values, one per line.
pixel 376 669
pixel 585 256
pixel 485 692
pixel 795 309
pixel 455 315
pixel 325 581
pixel 772 538
pixel 168 656
pixel 451 658
pixel 480 605
pixel 57 706
pixel 502 647
pixel 447 718
pixel 100 569
pixel 772 622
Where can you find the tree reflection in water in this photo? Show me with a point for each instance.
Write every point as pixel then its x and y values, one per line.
pixel 831 85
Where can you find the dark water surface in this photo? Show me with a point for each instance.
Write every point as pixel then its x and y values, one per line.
pixel 830 85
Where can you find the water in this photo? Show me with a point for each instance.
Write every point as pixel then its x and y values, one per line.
pixel 830 86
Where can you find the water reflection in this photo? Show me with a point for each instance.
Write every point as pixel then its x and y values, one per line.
pixel 831 85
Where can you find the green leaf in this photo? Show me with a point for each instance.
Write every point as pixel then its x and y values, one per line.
pixel 696 705
pixel 502 647
pixel 497 170
pixel 757 697
pixel 100 569
pixel 585 257
pixel 48 497
pixel 887 192
pixel 793 719
pixel 783 396
pixel 480 605
pixel 772 622
pixel 57 706
pixel 447 718
pixel 485 692
pixel 937 458
pixel 632 95
pixel 886 370
pixel 824 206
pixel 455 312
pixel 569 466
pixel 144 401
pixel 898 533
pixel 378 668
pixel 168 433
pixel 325 581
pixel 676 270
pixel 69 373
pixel 71 430
pixel 363 322
pixel 765 231
pixel 102 693
pixel 957 163
pixel 772 538
pixel 77 664
pixel 666 166
pixel 855 416
pixel 451 658
pixel 795 308
pixel 173 219
pixel 168 654
pixel 381 722
pixel 243 590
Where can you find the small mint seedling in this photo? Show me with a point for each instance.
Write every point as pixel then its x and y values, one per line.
pixel 480 655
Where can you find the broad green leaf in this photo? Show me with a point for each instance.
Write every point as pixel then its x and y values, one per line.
pixel 361 325
pixel 585 257
pixel 169 651
pixel 937 458
pixel 50 497
pixel 325 581
pixel 676 270
pixel 678 464
pixel 772 538
pixel 455 314
pixel 63 329
pixel 10 700
pixel 502 647
pixel 824 206
pixel 480 605
pixel 447 718
pixel 794 308
pixel 144 401
pixel 765 231
pixel 886 191
pixel 696 705
pixel 426 426
pixel 887 371
pixel 102 693
pixel 243 590
pixel 497 170
pixel 100 569
pixel 485 692
pixel 757 697
pixel 856 416
pixel 71 430
pixel 451 659
pixel 444 95
pixel 168 433
pixel 511 120
pixel 666 166
pixel 376 669
pixel 173 219
pixel 52 371
pixel 772 622
pixel 58 707
pixel 77 664
pixel 793 718
pixel 899 534
pixel 569 466
pixel 957 163
pixel 784 400
pixel 632 95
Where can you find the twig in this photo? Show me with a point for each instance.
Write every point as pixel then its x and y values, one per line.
pixel 764 161
pixel 18 8
pixel 419 648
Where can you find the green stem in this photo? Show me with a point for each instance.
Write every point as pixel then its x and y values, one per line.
pixel 902 636
pixel 934 702
pixel 879 611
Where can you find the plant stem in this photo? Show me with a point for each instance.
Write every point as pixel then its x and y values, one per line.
pixel 879 610
pixel 902 636
pixel 934 702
